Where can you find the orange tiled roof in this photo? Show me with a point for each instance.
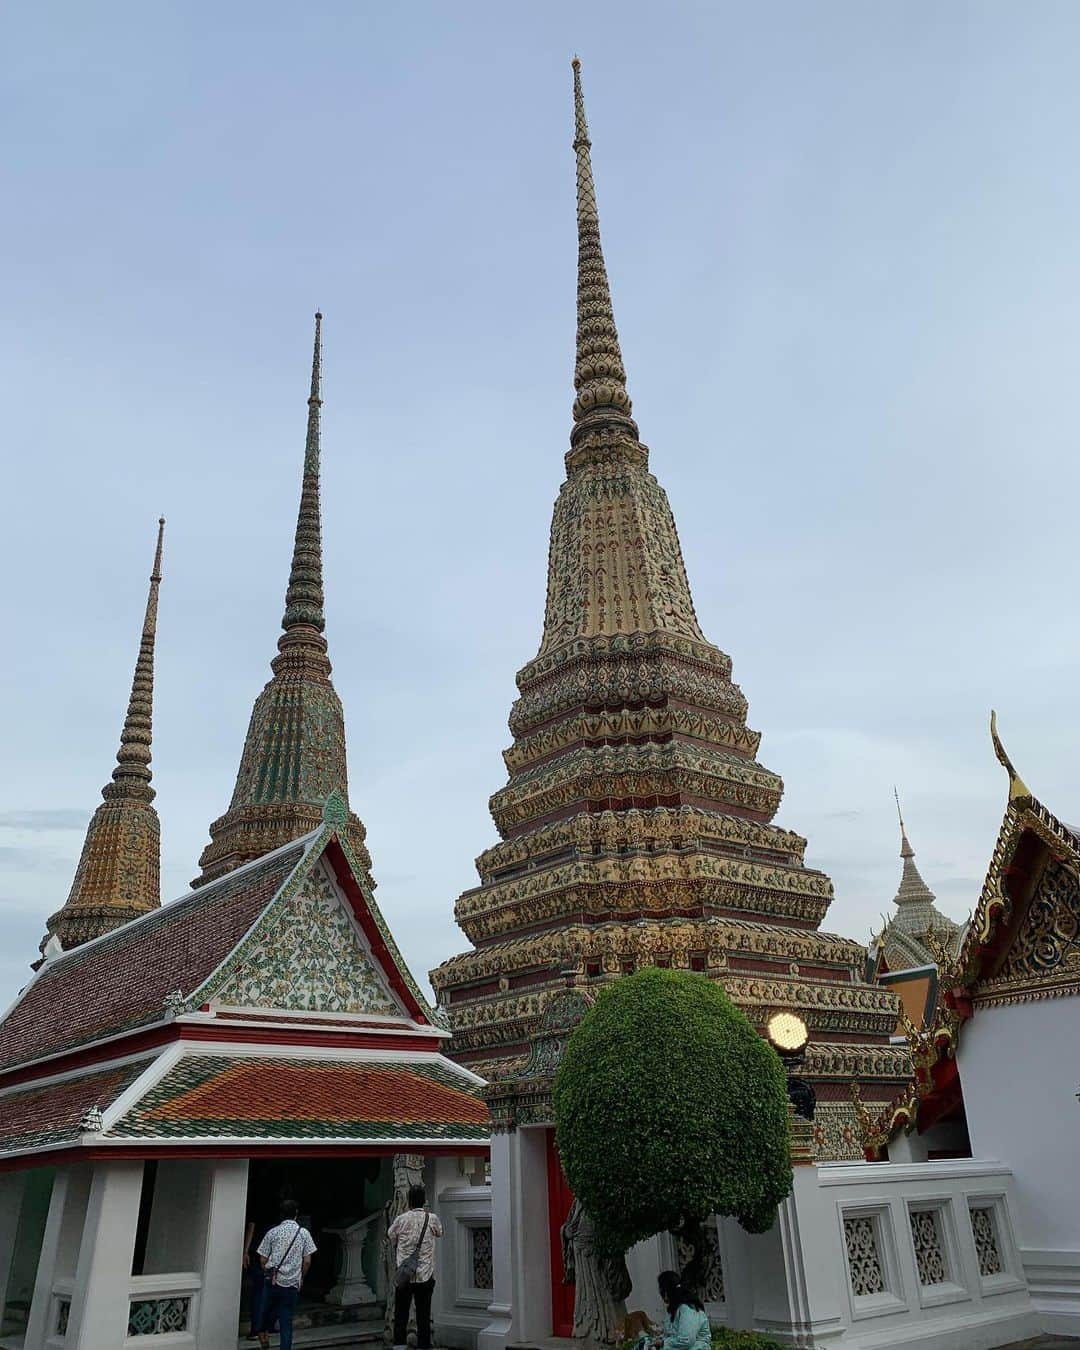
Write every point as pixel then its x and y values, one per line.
pixel 216 1096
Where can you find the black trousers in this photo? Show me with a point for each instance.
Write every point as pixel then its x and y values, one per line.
pixel 403 1298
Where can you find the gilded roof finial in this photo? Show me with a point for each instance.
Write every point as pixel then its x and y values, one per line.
pixel 1018 789
pixel 599 374
pixel 133 756
pixel 304 597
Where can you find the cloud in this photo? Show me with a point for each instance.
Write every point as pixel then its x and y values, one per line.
pixel 40 822
pixel 32 859
pixel 842 815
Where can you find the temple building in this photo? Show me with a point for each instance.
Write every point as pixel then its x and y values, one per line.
pixel 637 822
pixel 1000 1052
pixel 914 941
pixel 171 1071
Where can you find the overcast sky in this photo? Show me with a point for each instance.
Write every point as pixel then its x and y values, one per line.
pixel 844 247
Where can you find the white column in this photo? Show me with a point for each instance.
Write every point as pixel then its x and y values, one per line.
pixel 443 1174
pixel 59 1249
pixel 504 1254
pixel 521 1308
pixel 224 1196
pixel 99 1304
pixel 12 1186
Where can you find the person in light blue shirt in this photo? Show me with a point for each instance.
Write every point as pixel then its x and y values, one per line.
pixel 686 1325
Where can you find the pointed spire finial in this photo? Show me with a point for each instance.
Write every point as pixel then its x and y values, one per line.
pixel 133 757
pixel 304 597
pixel 906 851
pixel 599 374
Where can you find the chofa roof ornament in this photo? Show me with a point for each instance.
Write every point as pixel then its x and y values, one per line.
pixel 1018 789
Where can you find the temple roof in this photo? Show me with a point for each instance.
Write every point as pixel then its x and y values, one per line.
pixel 119 982
pixel 118 876
pixel 253 1097
pixel 269 934
pixel 179 1096
pixel 39 1116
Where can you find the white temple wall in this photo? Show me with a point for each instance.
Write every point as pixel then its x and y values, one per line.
pixel 1019 1067
pixel 862 1256
pixel 904 1256
pixel 464 1285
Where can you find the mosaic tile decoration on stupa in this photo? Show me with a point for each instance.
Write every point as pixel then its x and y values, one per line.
pixel 636 825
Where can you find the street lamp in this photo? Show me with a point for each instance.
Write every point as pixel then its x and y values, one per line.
pixel 788 1035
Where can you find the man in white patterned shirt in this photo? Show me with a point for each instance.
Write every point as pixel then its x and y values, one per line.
pixel 414 1231
pixel 285 1253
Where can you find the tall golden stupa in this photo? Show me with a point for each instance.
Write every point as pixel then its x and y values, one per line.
pixel 636 825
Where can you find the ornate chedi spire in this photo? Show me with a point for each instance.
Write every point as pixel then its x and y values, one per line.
pixel 904 938
pixel 599 374
pixel 637 823
pixel 118 876
pixel 294 753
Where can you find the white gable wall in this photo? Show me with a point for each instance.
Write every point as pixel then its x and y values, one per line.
pixel 1020 1069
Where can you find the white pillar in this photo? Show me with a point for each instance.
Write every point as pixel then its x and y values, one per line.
pixel 504 1255
pixel 59 1249
pixel 800 1300
pixel 99 1304
pixel 224 1197
pixel 12 1187
pixel 521 1308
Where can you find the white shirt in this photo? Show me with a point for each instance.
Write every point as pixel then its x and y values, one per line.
pixel 285 1252
pixel 404 1233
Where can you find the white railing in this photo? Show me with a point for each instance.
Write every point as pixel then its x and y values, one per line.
pixel 163 1310
pixel 925 1248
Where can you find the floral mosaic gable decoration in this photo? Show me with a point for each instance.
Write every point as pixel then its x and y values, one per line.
pixel 309 956
pixel 329 852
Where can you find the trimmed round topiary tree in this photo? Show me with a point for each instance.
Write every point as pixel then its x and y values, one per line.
pixel 669 1107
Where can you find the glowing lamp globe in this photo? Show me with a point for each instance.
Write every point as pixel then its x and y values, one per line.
pixel 787 1033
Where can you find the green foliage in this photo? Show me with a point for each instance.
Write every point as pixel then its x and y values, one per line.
pixel 723 1339
pixel 669 1107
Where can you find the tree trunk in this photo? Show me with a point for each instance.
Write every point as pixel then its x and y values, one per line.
pixel 699 1257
